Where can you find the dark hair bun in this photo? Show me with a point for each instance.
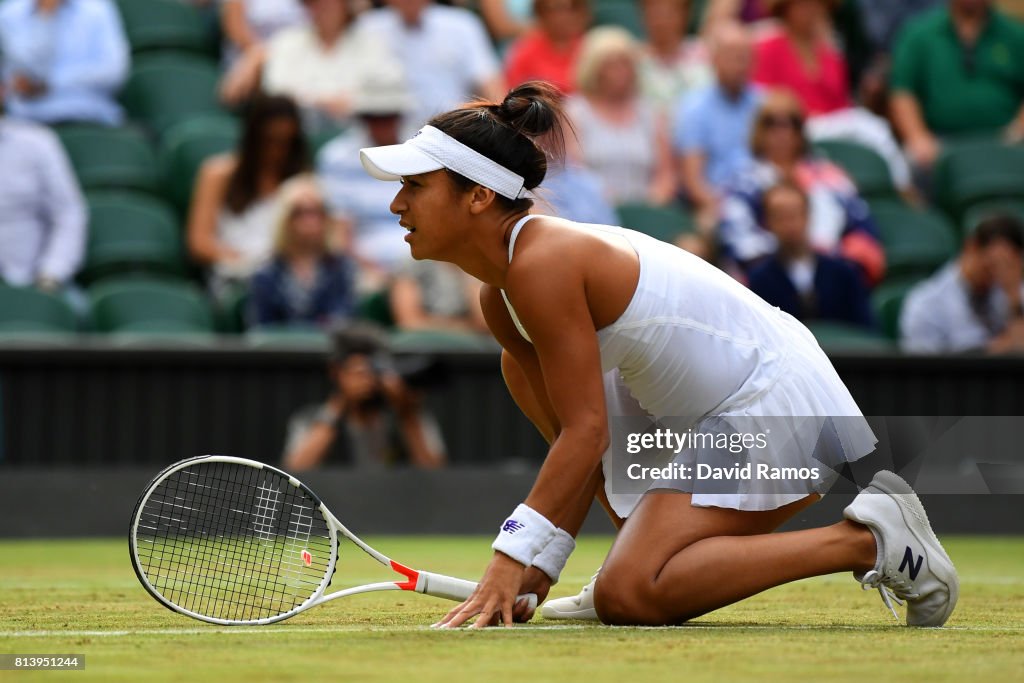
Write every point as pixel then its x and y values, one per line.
pixel 533 108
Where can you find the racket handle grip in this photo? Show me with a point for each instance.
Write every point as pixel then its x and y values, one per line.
pixel 450 588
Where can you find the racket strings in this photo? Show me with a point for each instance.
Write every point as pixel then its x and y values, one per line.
pixel 232 542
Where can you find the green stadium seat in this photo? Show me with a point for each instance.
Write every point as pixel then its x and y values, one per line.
pixel 168 87
pixel 887 302
pixel 436 340
pixel 833 336
pixel 130 233
pixel 623 13
pixel 665 223
pixel 186 146
pixel 867 169
pixel 916 242
pixel 971 173
pixel 287 336
pixel 110 157
pixel 376 308
pixel 166 25
pixel 148 306
pixel 25 310
pixel 979 212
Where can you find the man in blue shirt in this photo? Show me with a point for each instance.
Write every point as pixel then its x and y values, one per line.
pixel 65 60
pixel 711 131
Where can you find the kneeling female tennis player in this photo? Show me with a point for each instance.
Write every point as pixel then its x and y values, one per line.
pixel 600 322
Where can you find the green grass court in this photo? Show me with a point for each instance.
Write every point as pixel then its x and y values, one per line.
pixel 61 597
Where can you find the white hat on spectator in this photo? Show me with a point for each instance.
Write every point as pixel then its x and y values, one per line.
pixel 384 92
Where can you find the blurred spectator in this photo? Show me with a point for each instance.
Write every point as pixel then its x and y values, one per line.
pixel 575 193
pixel 883 19
pixel 974 302
pixel 322 65
pixel 304 284
pixel 433 295
pixel 231 220
pixel 711 131
pixel 807 285
pixel 801 58
pixel 840 222
pixel 958 71
pixel 42 215
pixel 671 64
pixel 372 419
pixel 550 50
pixel 247 25
pixel 64 60
pixel 621 138
pixel 362 203
pixel 746 11
pixel 445 52
pixel 507 20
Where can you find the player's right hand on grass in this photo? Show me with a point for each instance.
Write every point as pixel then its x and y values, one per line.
pixel 534 581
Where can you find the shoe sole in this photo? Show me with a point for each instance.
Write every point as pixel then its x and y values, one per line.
pixel 916 519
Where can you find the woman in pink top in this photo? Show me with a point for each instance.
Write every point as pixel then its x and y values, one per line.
pixel 549 51
pixel 800 57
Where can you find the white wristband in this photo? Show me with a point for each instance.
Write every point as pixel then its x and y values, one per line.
pixel 556 553
pixel 524 534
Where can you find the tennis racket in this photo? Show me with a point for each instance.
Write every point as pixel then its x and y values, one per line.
pixel 233 541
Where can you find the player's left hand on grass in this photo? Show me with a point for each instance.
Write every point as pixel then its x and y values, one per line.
pixel 493 602
pixel 534 581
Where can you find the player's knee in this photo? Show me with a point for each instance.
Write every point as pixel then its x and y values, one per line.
pixel 623 599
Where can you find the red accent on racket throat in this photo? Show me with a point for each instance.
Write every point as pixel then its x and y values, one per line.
pixel 411 574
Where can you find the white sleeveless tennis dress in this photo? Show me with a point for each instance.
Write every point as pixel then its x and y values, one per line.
pixel 694 348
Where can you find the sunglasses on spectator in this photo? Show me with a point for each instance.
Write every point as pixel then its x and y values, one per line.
pixel 308 210
pixel 794 121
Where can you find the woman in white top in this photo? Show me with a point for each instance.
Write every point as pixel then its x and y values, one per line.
pixel 604 326
pixel 622 138
pixel 324 65
pixel 234 204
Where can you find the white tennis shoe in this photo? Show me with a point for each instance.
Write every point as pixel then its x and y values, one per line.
pixel 575 607
pixel 912 564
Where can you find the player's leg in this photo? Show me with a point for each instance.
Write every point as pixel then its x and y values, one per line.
pixel 673 561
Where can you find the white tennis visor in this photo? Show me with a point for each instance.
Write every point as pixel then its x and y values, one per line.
pixel 431 150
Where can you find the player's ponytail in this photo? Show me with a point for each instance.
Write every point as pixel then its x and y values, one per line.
pixel 522 133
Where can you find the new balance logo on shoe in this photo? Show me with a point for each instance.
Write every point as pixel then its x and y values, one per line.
pixel 908 563
pixel 511 526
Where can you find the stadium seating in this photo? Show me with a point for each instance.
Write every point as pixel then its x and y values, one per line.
pixel 184 148
pixel 971 173
pixel 916 241
pixel 665 223
pixel 427 340
pixel 887 302
pixel 149 306
pixel 131 232
pixel 979 212
pixel 166 24
pixel 834 336
pixel 110 157
pixel 271 336
pixel 168 87
pixel 28 310
pixel 376 308
pixel 623 13
pixel 869 171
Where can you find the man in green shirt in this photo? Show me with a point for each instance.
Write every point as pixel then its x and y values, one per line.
pixel 958 71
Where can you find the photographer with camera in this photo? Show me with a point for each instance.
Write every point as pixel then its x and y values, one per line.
pixel 372 418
